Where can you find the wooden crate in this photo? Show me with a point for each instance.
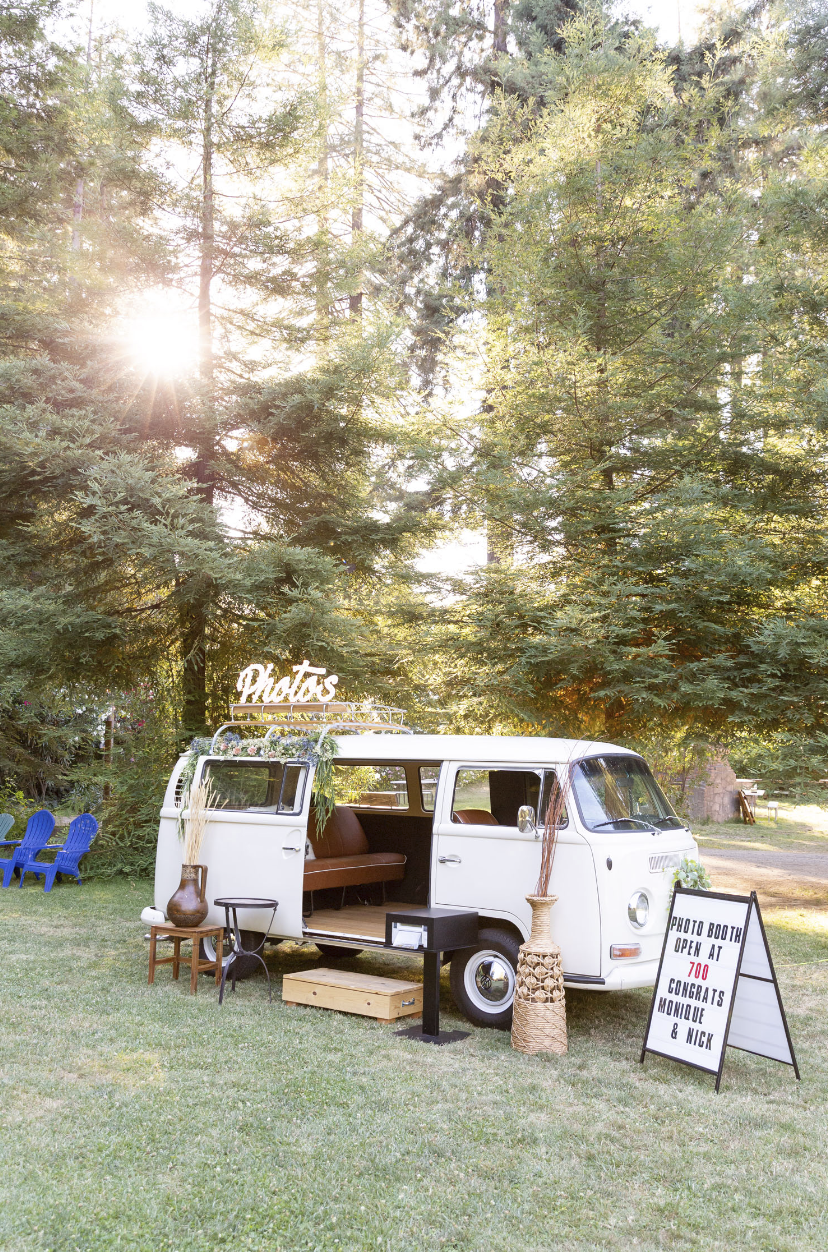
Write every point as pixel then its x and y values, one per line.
pixel 386 999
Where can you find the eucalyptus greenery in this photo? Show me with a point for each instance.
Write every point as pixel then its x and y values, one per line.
pixel 691 873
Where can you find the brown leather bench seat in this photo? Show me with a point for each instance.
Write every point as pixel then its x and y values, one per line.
pixel 342 855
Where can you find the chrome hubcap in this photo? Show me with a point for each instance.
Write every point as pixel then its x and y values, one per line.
pixel 490 981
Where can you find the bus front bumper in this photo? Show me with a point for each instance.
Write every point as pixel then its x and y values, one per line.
pixel 622 976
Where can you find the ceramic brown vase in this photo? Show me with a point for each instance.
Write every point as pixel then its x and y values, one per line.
pixel 188 904
pixel 539 1017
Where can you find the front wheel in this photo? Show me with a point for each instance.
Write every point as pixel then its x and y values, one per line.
pixel 483 978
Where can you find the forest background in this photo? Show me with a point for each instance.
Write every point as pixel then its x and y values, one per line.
pixel 293 296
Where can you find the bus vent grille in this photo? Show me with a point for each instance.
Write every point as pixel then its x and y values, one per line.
pixel 179 792
pixel 664 860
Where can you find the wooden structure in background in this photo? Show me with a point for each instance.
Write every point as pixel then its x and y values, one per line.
pixel 747 809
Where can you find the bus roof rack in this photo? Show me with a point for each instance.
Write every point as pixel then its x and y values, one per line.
pixel 328 717
pixel 316 714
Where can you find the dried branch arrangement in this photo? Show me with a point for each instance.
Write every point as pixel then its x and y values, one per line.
pixel 201 799
pixel 539 1015
pixel 555 819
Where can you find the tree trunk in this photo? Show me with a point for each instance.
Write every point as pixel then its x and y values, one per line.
pixel 77 207
pixel 194 607
pixel 193 623
pixel 499 540
pixel 355 301
pixel 601 379
pixel 323 300
pixel 500 32
pixel 108 746
pixel 77 215
pixel 208 234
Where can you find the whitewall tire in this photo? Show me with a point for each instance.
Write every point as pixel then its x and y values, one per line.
pixel 483 978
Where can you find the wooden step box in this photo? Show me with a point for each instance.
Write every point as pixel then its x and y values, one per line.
pixel 386 999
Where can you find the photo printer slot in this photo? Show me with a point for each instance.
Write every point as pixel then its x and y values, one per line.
pixel 403 936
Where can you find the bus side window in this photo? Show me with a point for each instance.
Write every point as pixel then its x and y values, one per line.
pixel 293 789
pixel 492 797
pixel 552 795
pixel 429 777
pixel 256 786
pixel 380 785
pixel 472 803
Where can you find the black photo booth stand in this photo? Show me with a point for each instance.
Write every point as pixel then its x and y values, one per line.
pixel 441 930
pixel 716 985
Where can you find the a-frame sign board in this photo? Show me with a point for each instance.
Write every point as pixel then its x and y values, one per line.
pixel 716 986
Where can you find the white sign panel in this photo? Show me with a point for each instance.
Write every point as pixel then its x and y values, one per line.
pixel 758 1022
pixel 694 992
pixel 716 985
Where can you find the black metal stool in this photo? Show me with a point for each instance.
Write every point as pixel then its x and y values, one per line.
pixel 232 906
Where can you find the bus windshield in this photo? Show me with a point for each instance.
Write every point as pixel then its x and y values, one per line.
pixel 618 793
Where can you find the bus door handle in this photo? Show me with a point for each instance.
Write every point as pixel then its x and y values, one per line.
pixel 284 849
pixel 449 860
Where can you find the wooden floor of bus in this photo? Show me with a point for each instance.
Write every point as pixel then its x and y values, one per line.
pixel 358 921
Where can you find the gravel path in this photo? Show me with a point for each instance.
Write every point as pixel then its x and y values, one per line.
pixel 780 878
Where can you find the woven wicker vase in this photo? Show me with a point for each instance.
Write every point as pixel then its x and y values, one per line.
pixel 539 1020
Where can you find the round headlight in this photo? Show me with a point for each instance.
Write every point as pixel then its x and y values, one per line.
pixel 638 909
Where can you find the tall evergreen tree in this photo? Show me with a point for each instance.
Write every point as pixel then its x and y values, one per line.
pixel 111 541
pixel 301 448
pixel 645 321
pixel 467 56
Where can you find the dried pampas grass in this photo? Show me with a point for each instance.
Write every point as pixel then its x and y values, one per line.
pixel 201 799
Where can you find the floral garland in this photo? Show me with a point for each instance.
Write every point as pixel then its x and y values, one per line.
pixel 284 747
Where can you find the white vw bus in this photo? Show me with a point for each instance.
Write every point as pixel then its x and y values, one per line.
pixel 445 820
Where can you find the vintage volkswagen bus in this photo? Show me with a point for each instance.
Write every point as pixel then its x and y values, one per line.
pixel 446 820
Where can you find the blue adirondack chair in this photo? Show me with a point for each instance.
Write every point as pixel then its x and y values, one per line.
pixel 38 832
pixel 82 831
pixel 6 823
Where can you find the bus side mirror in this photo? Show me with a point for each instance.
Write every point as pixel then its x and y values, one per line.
pixel 526 819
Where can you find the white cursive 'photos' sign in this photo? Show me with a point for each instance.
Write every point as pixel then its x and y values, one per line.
pixel 309 683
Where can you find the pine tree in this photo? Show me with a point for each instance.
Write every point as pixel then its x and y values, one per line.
pixel 111 544
pixel 304 449
pixel 642 332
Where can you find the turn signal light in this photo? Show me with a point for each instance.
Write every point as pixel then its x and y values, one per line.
pixel 624 951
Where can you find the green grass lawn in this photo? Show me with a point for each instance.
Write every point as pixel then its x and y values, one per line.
pixel 799 828
pixel 139 1117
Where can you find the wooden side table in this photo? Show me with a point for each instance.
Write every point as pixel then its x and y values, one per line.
pixel 178 934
